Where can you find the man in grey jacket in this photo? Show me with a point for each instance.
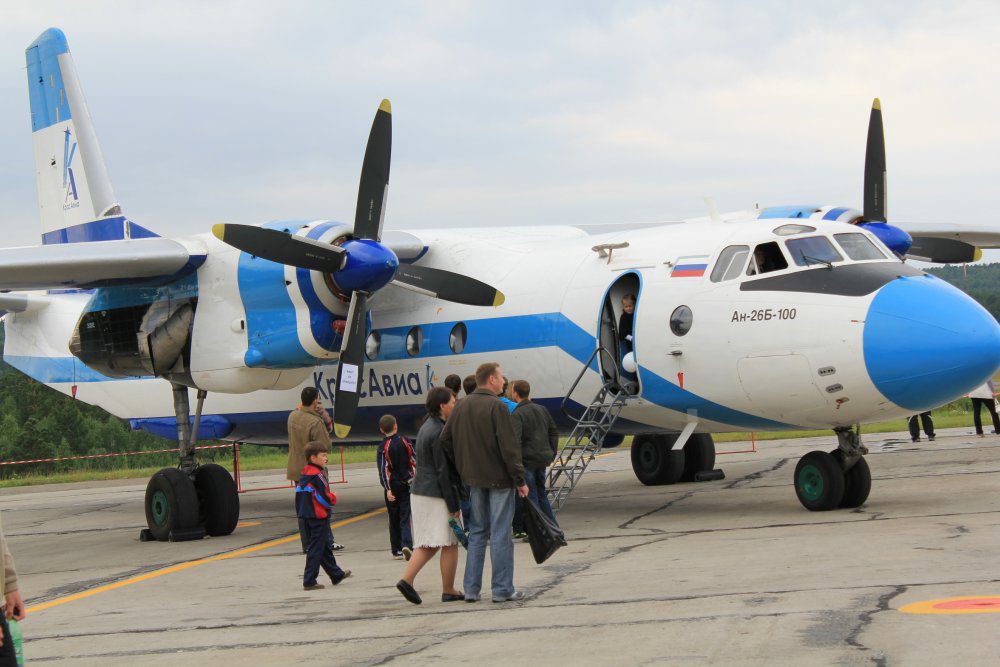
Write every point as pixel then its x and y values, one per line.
pixel 13 605
pixel 538 436
pixel 479 438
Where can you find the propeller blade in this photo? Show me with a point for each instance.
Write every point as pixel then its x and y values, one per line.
pixel 351 368
pixel 447 285
pixel 374 185
pixel 875 184
pixel 282 247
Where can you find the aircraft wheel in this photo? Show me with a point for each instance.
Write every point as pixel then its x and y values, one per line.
pixel 819 481
pixel 653 460
pixel 171 503
pixel 857 484
pixel 699 454
pixel 218 501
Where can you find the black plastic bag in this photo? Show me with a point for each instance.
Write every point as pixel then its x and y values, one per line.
pixel 543 534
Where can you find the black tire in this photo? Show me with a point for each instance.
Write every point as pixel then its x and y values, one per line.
pixel 819 481
pixel 699 455
pixel 218 501
pixel 857 484
pixel 171 503
pixel 654 462
pixel 612 440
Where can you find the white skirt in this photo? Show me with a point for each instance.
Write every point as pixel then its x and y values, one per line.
pixel 430 522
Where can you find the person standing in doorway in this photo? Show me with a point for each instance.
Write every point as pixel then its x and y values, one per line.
pixel 479 439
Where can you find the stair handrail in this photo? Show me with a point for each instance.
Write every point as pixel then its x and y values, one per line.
pixel 616 376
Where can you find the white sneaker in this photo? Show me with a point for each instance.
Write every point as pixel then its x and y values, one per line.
pixel 337 547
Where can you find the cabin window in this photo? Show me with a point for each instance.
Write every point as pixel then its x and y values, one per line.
pixel 373 345
pixel 813 250
pixel 457 338
pixel 681 320
pixel 414 339
pixel 858 247
pixel 767 257
pixel 730 262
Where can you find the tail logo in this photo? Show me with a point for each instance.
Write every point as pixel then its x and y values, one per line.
pixel 71 200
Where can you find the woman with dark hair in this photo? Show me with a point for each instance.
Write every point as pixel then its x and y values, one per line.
pixel 433 501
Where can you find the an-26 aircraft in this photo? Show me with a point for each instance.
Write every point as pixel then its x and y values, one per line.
pixel 777 318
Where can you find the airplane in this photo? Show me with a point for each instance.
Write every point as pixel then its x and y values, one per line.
pixel 777 318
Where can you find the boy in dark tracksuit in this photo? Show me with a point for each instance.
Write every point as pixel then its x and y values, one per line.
pixel 313 502
pixel 395 471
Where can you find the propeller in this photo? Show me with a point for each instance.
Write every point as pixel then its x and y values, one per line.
pixel 873 216
pixel 360 266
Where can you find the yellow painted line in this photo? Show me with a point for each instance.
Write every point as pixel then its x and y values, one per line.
pixel 970 604
pixel 184 566
pixel 247 524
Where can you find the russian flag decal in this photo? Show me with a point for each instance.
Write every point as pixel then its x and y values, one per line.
pixel 690 266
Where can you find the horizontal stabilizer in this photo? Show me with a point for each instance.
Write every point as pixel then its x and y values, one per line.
pixel 76 265
pixel 20 303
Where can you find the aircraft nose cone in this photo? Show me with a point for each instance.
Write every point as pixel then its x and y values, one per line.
pixel 927 343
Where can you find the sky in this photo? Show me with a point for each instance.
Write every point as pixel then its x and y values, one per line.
pixel 516 113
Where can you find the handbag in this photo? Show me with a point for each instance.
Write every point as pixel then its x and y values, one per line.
pixel 544 536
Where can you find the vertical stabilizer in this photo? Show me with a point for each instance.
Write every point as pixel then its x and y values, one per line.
pixel 75 197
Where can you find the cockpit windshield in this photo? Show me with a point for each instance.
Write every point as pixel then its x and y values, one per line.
pixel 858 246
pixel 813 250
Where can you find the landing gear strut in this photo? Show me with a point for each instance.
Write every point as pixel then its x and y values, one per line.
pixel 840 478
pixel 190 501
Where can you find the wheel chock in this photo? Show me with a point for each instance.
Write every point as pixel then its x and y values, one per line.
pixel 709 475
pixel 186 535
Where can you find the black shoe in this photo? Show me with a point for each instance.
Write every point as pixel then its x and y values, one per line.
pixel 347 573
pixel 312 587
pixel 931 437
pixel 408 592
pixel 916 439
pixel 452 597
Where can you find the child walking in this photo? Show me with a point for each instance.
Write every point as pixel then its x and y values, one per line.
pixel 313 502
pixel 395 471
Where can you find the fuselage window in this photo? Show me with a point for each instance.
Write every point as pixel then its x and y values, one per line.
pixel 857 246
pixel 457 338
pixel 766 257
pixel 813 250
pixel 730 262
pixel 414 339
pixel 373 345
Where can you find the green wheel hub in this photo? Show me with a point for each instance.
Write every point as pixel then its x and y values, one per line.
pixel 160 507
pixel 811 482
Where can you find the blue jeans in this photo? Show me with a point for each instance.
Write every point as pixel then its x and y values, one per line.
pixel 535 478
pixel 492 511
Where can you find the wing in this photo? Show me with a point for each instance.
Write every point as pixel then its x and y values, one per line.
pixel 80 265
pixel 950 243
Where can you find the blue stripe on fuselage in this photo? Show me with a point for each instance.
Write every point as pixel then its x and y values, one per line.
pixel 105 229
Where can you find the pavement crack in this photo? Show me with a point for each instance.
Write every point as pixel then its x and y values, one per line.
pixel 877 657
pixel 628 524
pixel 755 475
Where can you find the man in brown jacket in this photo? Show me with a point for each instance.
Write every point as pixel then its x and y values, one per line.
pixel 307 423
pixel 479 439
pixel 13 605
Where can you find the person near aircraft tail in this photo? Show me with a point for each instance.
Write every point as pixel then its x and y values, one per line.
pixel 435 498
pixel 305 425
pixel 914 425
pixel 984 396
pixel 538 436
pixel 453 382
pixel 479 439
pixel 314 501
pixel 13 605
pixel 469 384
pixel 395 471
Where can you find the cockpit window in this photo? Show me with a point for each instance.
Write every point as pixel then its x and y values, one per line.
pixel 813 250
pixel 730 262
pixel 858 246
pixel 767 257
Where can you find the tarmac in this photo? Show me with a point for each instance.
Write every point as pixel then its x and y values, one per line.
pixel 721 572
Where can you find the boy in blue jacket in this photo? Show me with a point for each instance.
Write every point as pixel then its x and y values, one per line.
pixel 313 502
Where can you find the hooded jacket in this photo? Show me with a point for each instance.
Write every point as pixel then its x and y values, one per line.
pixel 313 497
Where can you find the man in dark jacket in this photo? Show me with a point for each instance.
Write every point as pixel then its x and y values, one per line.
pixel 479 438
pixel 538 436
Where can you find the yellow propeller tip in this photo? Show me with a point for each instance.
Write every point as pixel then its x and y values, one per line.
pixel 385 106
pixel 340 430
pixel 876 104
pixel 219 230
pixel 978 255
pixel 499 299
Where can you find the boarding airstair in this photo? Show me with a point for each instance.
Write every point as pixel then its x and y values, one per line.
pixel 587 437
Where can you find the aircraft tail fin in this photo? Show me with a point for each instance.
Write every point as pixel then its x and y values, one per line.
pixel 75 198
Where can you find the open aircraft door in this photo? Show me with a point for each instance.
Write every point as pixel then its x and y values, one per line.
pixel 615 333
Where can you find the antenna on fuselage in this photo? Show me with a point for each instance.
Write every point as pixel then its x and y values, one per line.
pixel 713 211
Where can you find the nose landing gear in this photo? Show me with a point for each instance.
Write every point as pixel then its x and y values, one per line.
pixel 840 478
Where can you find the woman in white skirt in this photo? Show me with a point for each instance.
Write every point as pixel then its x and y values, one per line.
pixel 433 501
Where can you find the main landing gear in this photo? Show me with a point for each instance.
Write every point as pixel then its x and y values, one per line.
pixel 655 461
pixel 190 501
pixel 840 478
